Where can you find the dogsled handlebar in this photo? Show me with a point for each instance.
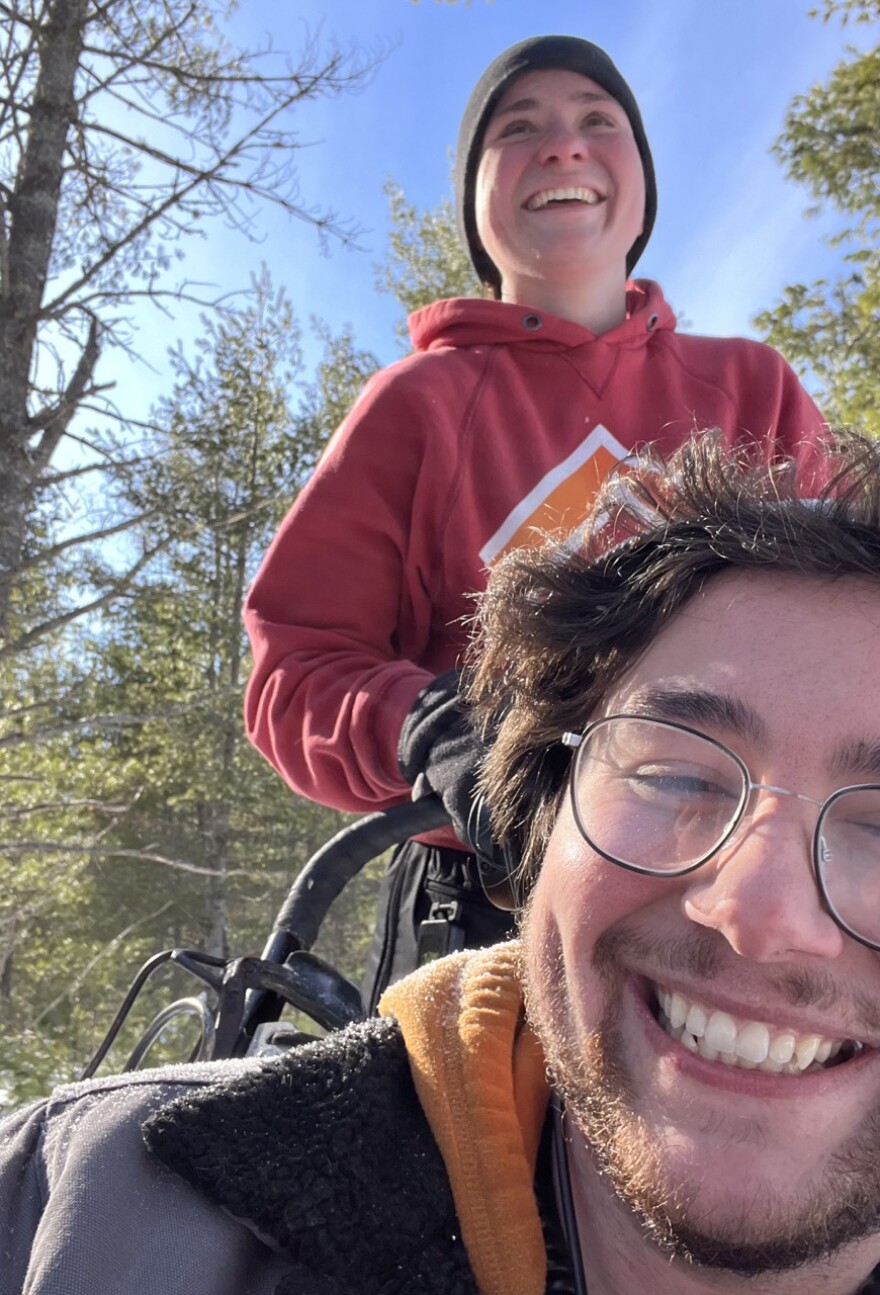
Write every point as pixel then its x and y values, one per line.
pixel 251 993
pixel 331 868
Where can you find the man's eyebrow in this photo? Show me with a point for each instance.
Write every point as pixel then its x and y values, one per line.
pixel 528 104
pixel 858 758
pixel 698 707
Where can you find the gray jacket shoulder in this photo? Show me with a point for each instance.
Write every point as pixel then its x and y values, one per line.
pixel 81 1200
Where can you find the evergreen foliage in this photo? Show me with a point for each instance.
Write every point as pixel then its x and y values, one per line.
pixel 136 815
pixel 425 261
pixel 831 144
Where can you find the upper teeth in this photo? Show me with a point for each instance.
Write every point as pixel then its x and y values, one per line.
pixel 539 200
pixel 749 1044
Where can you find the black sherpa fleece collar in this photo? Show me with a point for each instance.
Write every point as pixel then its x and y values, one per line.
pixel 326 1155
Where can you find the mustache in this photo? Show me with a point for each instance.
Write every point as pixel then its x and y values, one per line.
pixel 706 956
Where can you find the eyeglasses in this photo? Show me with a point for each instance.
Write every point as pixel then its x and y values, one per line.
pixel 660 798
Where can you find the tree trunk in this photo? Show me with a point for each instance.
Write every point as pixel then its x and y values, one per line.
pixel 27 236
pixel 16 494
pixel 7 950
pixel 214 827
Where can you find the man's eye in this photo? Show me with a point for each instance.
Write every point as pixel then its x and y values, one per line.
pixel 594 119
pixel 679 783
pixel 515 128
pixel 868 827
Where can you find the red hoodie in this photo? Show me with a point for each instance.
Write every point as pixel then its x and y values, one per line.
pixel 499 426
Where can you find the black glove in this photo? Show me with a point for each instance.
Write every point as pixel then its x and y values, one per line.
pixel 439 751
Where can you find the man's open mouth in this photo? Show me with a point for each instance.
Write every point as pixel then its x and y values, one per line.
pixel 572 196
pixel 750 1045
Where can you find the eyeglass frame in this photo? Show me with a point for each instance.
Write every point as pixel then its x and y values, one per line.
pixel 574 741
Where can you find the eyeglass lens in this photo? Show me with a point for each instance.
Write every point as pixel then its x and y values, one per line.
pixel 661 799
pixel 848 860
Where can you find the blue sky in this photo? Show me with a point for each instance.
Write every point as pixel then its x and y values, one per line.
pixel 713 78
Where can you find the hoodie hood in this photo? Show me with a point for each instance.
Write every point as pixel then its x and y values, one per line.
pixel 473 321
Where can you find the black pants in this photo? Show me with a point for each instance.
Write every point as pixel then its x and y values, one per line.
pixel 431 902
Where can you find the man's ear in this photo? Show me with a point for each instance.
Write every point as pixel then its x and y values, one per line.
pixel 496 866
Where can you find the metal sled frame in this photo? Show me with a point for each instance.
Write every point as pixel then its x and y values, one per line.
pixel 249 994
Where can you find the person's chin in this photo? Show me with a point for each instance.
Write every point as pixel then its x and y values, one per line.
pixel 696 1147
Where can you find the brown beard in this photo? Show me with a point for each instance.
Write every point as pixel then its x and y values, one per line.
pixel 771 1235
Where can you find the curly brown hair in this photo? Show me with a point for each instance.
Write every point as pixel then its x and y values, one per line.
pixel 558 625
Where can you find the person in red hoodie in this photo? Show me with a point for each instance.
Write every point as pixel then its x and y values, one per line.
pixel 496 430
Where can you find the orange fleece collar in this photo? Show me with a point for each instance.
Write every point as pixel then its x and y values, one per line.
pixel 480 1076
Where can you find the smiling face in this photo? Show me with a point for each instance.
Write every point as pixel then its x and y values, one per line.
pixel 560 189
pixel 717 1033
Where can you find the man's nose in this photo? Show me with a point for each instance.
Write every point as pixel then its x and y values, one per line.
pixel 563 143
pixel 759 892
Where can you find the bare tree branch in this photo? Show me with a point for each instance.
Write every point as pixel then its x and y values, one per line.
pixel 88 210
pixel 118 721
pixel 144 856
pixel 109 947
pixel 55 623
pixel 89 537
pixel 54 421
pixel 42 807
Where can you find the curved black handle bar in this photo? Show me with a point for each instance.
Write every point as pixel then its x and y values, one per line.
pixel 322 879
pixel 325 876
pixel 330 870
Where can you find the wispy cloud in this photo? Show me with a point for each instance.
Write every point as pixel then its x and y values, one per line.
pixel 759 240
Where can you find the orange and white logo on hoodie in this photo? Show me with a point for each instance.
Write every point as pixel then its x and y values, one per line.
pixel 561 499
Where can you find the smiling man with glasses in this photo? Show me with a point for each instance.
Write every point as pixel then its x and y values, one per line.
pixel 689 701
pixel 671 1082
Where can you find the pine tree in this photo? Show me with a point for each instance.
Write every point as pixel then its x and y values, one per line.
pixel 831 329
pixel 138 815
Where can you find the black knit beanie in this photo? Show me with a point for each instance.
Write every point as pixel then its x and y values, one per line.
pixel 536 54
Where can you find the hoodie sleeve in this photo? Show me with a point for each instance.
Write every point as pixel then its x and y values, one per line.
pixel 345 618
pixel 767 402
pixel 785 413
